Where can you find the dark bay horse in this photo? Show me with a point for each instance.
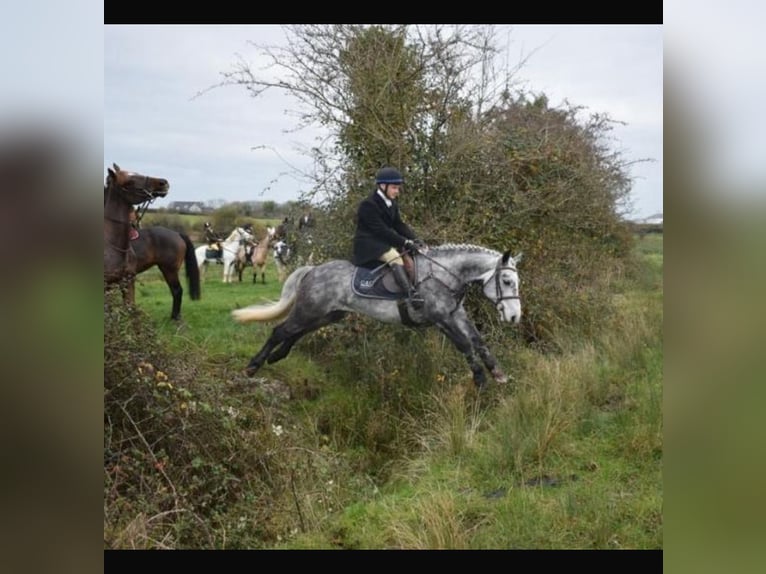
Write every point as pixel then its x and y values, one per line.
pixel 123 190
pixel 314 296
pixel 168 250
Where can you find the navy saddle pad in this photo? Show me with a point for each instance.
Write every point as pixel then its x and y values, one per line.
pixel 376 284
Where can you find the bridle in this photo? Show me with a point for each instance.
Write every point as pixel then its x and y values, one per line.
pixel 150 197
pixel 498 288
pixel 459 293
pixel 140 211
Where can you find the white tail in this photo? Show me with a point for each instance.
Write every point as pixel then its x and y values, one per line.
pixel 273 311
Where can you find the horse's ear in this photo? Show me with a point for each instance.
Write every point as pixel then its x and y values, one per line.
pixel 518 257
pixel 116 167
pixel 506 255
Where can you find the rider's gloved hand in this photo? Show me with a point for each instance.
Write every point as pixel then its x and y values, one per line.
pixel 416 245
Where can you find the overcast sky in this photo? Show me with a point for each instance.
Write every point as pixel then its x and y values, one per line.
pixel 204 146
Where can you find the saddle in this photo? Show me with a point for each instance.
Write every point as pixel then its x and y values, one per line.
pixel 378 282
pixel 213 252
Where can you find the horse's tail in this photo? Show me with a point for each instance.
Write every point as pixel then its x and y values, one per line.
pixel 273 311
pixel 192 268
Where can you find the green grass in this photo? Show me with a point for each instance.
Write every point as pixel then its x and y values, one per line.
pixel 207 327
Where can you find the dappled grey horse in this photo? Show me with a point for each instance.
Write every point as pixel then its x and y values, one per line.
pixel 314 296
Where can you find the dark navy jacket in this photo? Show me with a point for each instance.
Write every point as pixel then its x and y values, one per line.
pixel 378 229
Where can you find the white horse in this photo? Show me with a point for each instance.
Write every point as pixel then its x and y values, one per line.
pixel 230 247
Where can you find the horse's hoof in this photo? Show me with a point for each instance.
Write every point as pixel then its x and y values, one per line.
pixel 251 370
pixel 499 376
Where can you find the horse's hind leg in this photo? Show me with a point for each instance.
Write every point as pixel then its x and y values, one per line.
pixel 286 335
pixel 288 343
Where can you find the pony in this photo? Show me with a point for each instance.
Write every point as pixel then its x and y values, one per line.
pixel 168 250
pixel 123 190
pixel 230 247
pixel 315 296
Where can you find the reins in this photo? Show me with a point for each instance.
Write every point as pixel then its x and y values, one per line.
pixel 461 292
pixel 458 293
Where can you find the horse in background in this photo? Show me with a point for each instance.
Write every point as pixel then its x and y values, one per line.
pixel 259 256
pixel 230 247
pixel 168 250
pixel 124 190
pixel 282 253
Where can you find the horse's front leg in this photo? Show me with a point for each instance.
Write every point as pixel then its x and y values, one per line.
pixel 462 342
pixel 478 344
pixel 128 288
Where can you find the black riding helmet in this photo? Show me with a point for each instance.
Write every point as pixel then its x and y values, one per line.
pixel 388 175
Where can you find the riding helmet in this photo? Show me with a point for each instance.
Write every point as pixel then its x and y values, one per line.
pixel 388 175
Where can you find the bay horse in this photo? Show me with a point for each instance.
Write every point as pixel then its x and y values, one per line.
pixel 315 296
pixel 168 250
pixel 123 190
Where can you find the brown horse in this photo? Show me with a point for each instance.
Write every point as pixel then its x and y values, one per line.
pixel 124 189
pixel 168 249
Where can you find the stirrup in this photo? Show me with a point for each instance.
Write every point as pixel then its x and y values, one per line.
pixel 416 300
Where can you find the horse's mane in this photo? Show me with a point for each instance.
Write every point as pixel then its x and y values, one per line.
pixel 463 247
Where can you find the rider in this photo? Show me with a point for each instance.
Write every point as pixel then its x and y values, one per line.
pixel 381 234
pixel 213 241
pixel 249 245
pixel 280 232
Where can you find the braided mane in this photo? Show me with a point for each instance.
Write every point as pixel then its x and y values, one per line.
pixel 464 247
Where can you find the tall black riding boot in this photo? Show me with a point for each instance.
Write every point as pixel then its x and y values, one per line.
pixel 400 274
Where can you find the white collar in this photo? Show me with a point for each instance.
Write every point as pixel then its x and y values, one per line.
pixel 383 195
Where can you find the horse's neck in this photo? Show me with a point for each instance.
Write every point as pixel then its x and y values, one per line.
pixel 116 221
pixel 233 238
pixel 468 264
